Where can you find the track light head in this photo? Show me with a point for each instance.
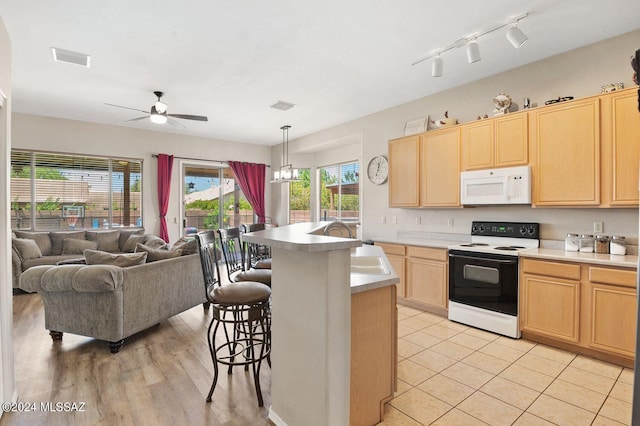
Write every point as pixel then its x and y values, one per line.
pixel 516 37
pixel 473 51
pixel 436 67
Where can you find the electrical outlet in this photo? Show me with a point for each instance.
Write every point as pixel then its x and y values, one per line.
pixel 598 227
pixel 418 220
pixel 394 219
pixel 383 220
pixel 450 221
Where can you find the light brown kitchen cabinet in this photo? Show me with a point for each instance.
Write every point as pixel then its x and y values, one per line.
pixel 404 172
pixel 550 299
pixel 427 284
pixel 586 308
pixel 440 168
pixel 611 309
pixel 565 152
pixel 496 142
pixel 396 255
pixel 620 148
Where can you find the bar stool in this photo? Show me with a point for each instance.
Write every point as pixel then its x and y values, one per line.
pixel 258 255
pixel 242 311
pixel 234 257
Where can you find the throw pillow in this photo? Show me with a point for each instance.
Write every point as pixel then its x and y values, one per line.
pixel 107 240
pixel 188 245
pixel 154 242
pixel 96 257
pixel 73 246
pixel 130 245
pixel 57 239
pixel 26 248
pixel 157 254
pixel 125 234
pixel 41 238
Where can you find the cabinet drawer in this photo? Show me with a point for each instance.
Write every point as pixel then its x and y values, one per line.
pixel 554 269
pixel 428 253
pixel 388 248
pixel 619 277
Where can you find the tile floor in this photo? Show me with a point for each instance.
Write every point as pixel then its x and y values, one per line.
pixel 451 374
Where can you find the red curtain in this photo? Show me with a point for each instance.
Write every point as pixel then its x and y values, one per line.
pixel 251 177
pixel 165 165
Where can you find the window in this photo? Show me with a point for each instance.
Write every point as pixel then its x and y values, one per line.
pixel 340 192
pixel 58 191
pixel 300 198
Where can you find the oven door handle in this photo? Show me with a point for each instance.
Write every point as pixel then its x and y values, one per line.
pixel 457 256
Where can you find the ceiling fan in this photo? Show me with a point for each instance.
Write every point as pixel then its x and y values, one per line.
pixel 158 113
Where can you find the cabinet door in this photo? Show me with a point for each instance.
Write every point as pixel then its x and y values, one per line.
pixel 440 169
pixel 396 255
pixel 477 145
pixel 511 140
pixel 566 141
pixel 550 306
pixel 427 282
pixel 612 319
pixel 621 122
pixel 404 156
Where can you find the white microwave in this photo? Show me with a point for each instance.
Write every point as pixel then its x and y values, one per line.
pixel 509 185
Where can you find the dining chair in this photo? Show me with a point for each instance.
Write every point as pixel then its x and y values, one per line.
pixel 242 311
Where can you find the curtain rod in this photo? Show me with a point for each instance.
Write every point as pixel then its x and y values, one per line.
pixel 201 159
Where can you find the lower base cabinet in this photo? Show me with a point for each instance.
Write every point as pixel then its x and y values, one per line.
pixel 424 276
pixel 585 308
pixel 374 340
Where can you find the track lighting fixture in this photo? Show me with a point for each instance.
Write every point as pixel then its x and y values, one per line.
pixel 515 36
pixel 436 67
pixel 473 51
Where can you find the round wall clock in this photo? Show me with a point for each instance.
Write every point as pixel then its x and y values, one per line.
pixel 378 169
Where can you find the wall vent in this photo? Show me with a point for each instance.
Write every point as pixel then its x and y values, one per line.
pixel 283 106
pixel 61 55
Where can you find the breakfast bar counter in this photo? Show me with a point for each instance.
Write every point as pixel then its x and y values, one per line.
pixel 334 332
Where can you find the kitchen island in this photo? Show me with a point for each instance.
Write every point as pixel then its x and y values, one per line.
pixel 333 332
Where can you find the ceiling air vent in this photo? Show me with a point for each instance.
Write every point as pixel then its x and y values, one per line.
pixel 61 55
pixel 283 106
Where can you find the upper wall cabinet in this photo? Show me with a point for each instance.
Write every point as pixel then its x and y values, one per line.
pixel 404 171
pixel 620 148
pixel 495 142
pixel 565 152
pixel 440 168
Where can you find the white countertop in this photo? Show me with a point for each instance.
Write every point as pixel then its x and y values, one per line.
pixel 628 261
pixel 300 236
pixel 365 282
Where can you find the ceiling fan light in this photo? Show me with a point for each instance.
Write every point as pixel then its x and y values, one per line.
pixel 516 37
pixel 158 118
pixel 473 52
pixel 436 67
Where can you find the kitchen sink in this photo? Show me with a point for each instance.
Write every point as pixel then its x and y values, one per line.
pixel 372 265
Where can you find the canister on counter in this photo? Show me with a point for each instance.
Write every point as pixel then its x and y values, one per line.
pixel 586 243
pixel 572 242
pixel 602 244
pixel 618 245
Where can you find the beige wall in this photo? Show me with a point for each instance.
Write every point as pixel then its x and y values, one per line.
pixel 577 73
pixel 7 378
pixel 59 135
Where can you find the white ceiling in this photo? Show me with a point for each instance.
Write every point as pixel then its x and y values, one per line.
pixel 336 60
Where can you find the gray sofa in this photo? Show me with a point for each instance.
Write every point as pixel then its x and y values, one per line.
pixel 111 303
pixel 52 247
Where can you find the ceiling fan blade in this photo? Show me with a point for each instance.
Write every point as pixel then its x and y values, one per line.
pixel 138 118
pixel 189 117
pixel 133 109
pixel 175 123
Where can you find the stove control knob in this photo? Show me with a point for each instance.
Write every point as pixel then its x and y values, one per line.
pixel 531 230
pixel 523 230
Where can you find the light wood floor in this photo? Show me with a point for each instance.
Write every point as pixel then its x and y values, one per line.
pixel 160 377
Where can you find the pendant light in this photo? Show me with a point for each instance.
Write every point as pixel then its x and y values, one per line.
pixel 286 173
